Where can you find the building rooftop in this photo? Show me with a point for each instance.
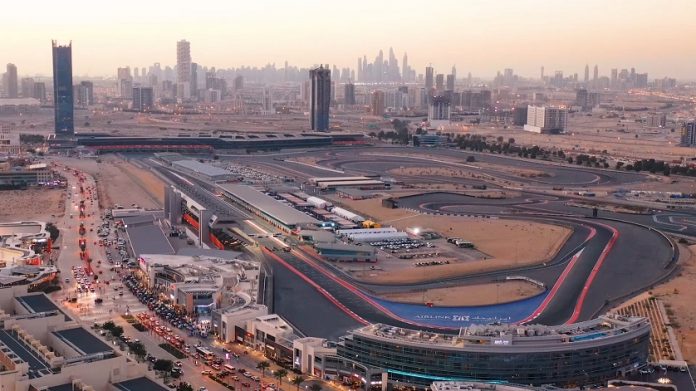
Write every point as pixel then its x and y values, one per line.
pixel 12 345
pixel 148 239
pixel 505 335
pixel 202 168
pixel 82 341
pixel 61 387
pixel 268 205
pixel 140 384
pixel 35 303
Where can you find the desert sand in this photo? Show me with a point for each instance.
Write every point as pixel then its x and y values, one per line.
pixel 120 182
pixel 526 243
pixel 32 204
pixel 678 295
pixel 469 295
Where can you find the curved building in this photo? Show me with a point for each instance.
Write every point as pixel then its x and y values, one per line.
pixel 569 355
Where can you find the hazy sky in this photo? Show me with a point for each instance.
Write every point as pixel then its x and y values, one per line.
pixel 479 36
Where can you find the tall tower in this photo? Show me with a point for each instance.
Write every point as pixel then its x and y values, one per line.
pixel 183 69
pixel 11 88
pixel 404 68
pixel 596 73
pixel 542 73
pixel 320 98
pixel 63 89
pixel 429 81
pixel 587 73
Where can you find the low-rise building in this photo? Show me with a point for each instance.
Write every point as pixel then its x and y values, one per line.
pixel 199 285
pixel 546 119
pixel 41 347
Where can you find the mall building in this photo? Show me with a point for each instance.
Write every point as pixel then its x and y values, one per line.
pixel 585 353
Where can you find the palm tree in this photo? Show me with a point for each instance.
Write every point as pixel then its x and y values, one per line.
pixel 297 380
pixel 280 374
pixel 263 365
pixel 315 387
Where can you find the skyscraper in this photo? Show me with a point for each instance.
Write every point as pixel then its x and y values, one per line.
pixel 63 89
pixel 40 92
pixel 596 74
pixel 183 69
pixel 27 84
pixel 378 103
pixel 450 83
pixel 11 87
pixel 349 94
pixel 405 71
pixel 587 73
pixel 320 98
pixel 439 82
pixel 429 81
pixel 143 99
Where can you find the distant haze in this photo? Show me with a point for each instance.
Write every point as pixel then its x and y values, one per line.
pixel 479 36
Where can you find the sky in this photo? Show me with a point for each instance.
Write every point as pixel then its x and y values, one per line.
pixel 479 36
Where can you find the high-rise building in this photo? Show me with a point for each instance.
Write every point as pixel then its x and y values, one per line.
pixel 595 75
pixel 587 73
pixel 11 87
pixel 183 69
pixel 450 83
pixel 84 93
pixel 429 81
pixel 40 92
pixel 688 134
pixel 194 80
pixel 378 103
pixel 439 111
pixel 27 84
pixel 546 119
pixel 320 99
pixel 440 82
pixel 143 99
pixel 63 89
pixel 405 70
pixel 125 82
pixel 542 73
pixel 349 94
pixel 238 83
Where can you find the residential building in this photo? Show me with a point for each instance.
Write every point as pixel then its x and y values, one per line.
pixel 40 92
pixel 546 119
pixel 183 69
pixel 349 94
pixel 377 104
pixel 63 90
pixel 143 99
pixel 439 111
pixel 688 134
pixel 27 84
pixel 10 82
pixel 84 93
pixel 320 99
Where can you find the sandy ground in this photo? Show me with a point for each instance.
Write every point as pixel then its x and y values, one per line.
pixel 678 295
pixel 526 243
pixel 120 182
pixel 480 294
pixel 32 204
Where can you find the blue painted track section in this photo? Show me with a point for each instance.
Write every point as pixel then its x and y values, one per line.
pixel 455 317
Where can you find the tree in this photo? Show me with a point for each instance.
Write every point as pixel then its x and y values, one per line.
pixel 138 349
pixel 183 386
pixel 297 380
pixel 163 365
pixel 117 331
pixel 53 231
pixel 263 365
pixel 315 387
pixel 109 325
pixel 280 374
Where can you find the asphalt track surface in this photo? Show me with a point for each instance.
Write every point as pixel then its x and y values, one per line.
pixel 602 261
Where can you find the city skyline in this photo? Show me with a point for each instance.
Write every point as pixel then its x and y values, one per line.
pixel 612 35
